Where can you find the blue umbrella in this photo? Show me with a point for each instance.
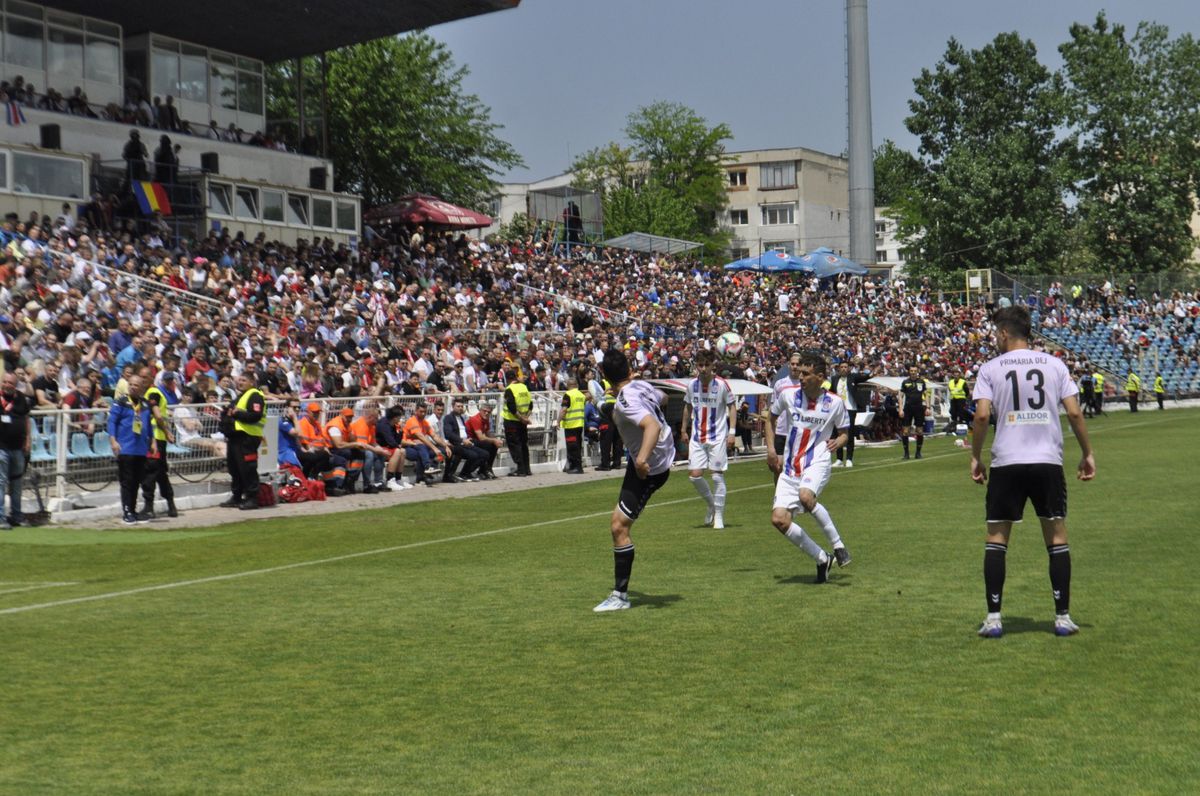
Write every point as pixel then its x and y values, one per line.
pixel 824 262
pixel 771 262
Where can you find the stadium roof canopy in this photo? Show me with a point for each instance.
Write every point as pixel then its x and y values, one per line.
pixel 653 244
pixel 273 30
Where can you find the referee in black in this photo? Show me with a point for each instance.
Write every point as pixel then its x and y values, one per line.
pixel 913 412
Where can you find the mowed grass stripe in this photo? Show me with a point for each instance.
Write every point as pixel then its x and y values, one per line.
pixel 478 667
pixel 461 537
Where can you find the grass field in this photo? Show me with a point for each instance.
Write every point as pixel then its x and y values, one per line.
pixel 459 653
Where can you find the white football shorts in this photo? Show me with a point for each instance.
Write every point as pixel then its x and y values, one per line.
pixel 708 455
pixel 787 489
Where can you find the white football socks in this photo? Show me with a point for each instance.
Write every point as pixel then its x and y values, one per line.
pixel 795 534
pixel 719 492
pixel 821 515
pixel 702 489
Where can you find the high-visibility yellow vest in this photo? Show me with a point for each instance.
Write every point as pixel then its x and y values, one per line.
pixel 609 396
pixel 1159 386
pixel 573 417
pixel 523 399
pixel 958 388
pixel 155 396
pixel 1099 377
pixel 1133 383
pixel 243 403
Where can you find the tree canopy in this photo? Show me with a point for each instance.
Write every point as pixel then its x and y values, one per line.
pixel 1132 102
pixel 1027 170
pixel 992 192
pixel 400 122
pixel 669 181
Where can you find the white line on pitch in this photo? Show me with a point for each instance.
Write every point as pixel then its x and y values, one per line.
pixel 410 546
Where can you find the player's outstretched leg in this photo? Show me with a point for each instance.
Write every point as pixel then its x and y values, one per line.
pixel 782 520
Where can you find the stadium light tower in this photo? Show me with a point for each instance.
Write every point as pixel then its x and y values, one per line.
pixel 862 155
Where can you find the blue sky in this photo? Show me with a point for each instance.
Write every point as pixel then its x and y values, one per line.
pixel 562 75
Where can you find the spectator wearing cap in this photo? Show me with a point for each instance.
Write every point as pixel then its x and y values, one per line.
pixel 316 458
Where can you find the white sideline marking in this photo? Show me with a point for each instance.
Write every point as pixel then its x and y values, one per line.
pixel 426 543
pixel 32 585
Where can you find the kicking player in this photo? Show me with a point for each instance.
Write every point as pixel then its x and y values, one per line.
pixel 639 418
pixel 818 426
pixel 1026 388
pixel 710 412
pixel 776 433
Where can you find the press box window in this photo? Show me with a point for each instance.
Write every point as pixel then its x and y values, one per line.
pixel 37 174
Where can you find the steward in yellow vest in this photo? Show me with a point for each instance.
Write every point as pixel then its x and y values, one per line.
pixel 249 416
pixel 518 405
pixel 155 474
pixel 572 426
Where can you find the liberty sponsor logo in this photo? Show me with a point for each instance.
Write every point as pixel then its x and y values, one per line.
pixel 1031 417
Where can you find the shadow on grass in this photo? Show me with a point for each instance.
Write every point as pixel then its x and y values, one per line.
pixel 1024 624
pixel 810 580
pixel 653 600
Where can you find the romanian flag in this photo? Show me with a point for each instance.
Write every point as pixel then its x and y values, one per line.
pixel 16 116
pixel 152 197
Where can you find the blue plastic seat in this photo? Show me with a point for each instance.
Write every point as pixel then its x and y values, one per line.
pixel 40 448
pixel 80 447
pixel 100 445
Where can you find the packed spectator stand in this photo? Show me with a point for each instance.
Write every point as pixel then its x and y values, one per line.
pixel 416 315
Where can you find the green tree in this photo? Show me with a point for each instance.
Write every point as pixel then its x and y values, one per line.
pixel 1132 102
pixel 669 181
pixel 400 122
pixel 898 175
pixel 992 192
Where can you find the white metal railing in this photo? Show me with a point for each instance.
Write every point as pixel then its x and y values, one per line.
pixel 71 449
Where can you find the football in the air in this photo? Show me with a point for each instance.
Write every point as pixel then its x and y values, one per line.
pixel 730 344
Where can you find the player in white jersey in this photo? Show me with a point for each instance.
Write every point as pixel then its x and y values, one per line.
pixel 650 448
pixel 709 420
pixel 1025 388
pixel 776 433
pixel 818 425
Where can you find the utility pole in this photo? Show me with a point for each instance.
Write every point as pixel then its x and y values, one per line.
pixel 861 151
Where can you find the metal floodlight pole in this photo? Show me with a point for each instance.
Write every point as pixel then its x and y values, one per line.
pixel 862 167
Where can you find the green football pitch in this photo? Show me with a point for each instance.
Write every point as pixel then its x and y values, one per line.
pixel 450 646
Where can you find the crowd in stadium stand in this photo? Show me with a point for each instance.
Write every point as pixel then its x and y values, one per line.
pixel 139 109
pixel 414 312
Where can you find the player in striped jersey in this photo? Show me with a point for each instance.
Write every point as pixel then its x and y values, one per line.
pixel 817 426
pixel 777 434
pixel 709 420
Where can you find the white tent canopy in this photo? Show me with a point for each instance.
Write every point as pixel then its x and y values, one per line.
pixel 652 244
